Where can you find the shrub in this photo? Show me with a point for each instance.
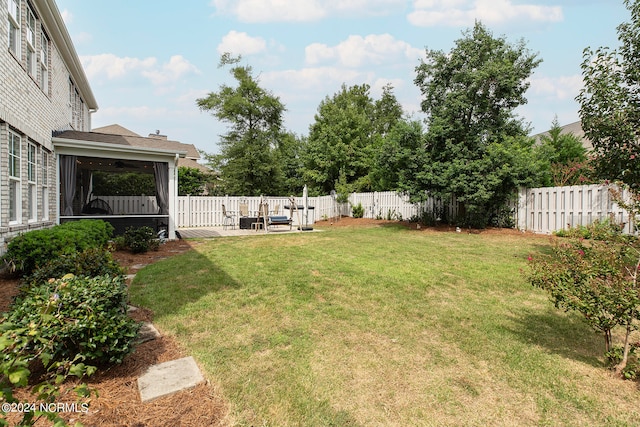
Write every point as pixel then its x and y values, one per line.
pixel 29 250
pixel 91 262
pixel 358 211
pixel 141 239
pixel 597 230
pixel 79 317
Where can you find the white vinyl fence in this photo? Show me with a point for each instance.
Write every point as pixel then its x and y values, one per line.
pixel 541 210
pixel 545 210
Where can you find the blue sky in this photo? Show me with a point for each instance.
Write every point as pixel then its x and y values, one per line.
pixel 149 60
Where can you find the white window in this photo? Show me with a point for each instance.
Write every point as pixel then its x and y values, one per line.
pixel 32 178
pixel 44 167
pixel 31 42
pixel 44 62
pixel 14 27
pixel 77 107
pixel 15 196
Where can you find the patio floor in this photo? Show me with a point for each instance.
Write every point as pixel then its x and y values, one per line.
pixel 207 232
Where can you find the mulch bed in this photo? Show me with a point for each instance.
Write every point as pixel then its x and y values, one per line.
pixel 118 402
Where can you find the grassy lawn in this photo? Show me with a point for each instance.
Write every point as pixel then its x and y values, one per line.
pixel 383 326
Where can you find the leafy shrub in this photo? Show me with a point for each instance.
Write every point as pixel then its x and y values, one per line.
pixel 357 211
pixel 29 250
pixel 632 369
pixel 91 262
pixel 597 230
pixel 139 240
pixel 78 317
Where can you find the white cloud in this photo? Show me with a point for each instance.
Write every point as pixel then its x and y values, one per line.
pixel 561 88
pixel 113 67
pixel 302 10
pixel 357 51
pixel 177 67
pixel 465 12
pixel 240 43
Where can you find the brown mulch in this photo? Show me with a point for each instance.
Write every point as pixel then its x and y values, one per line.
pixel 118 401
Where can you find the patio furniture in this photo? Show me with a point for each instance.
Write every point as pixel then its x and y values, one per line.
pixel 228 219
pixel 97 207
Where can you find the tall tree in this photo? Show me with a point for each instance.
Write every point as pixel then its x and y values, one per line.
pixel 470 95
pixel 340 141
pixel 247 162
pixel 610 103
pixel 562 157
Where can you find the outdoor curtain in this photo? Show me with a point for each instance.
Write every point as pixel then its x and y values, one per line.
pixel 68 176
pixel 161 175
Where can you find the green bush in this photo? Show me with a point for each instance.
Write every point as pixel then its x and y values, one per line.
pixel 141 239
pixel 90 263
pixel 597 230
pixel 80 317
pixel 29 250
pixel 358 211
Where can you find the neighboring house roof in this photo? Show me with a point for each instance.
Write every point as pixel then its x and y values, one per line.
pixel 574 128
pixel 116 134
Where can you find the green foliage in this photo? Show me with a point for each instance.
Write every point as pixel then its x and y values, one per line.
pixel 345 136
pixel 60 328
pixel 34 248
pixel 597 230
pixel 191 181
pixel 400 159
pixel 590 277
pixel 476 148
pixel 141 239
pixel 90 262
pixel 555 152
pixel 610 103
pixel 357 211
pixel 616 355
pixel 248 162
pixel 123 183
pixel 83 317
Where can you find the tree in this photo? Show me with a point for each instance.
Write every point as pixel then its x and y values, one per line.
pixel 400 158
pixel 610 103
pixel 247 160
pixel 563 158
pixel 343 139
pixel 469 95
pixel 191 181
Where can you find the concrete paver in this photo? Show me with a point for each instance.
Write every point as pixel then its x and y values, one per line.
pixel 169 377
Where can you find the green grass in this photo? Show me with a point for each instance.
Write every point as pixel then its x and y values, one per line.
pixel 383 326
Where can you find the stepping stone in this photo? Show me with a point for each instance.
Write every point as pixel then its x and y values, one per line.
pixel 131 308
pixel 147 332
pixel 168 378
pixel 129 277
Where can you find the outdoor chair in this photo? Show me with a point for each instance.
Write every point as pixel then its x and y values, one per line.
pixel 244 210
pixel 228 219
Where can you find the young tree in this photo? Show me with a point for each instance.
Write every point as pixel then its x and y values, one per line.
pixel 341 141
pixel 562 157
pixel 469 95
pixel 610 103
pixel 191 181
pixel 247 160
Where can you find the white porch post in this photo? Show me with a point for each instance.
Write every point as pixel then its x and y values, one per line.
pixel 173 197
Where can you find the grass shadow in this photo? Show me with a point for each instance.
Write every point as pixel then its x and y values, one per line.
pixel 565 334
pixel 169 284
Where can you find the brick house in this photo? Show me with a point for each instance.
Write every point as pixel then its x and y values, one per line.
pixel 44 92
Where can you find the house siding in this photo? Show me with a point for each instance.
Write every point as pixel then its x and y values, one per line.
pixel 33 113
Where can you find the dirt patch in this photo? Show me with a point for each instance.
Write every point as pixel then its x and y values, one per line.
pixel 118 401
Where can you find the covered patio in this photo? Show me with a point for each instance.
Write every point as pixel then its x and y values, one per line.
pixel 82 157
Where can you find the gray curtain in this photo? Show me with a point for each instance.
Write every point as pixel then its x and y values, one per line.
pixel 68 177
pixel 86 185
pixel 161 174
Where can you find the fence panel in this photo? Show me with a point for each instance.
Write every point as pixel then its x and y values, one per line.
pixel 541 210
pixel 549 209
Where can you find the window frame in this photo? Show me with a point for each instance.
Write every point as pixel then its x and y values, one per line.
pixel 32 181
pixel 15 29
pixel 15 179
